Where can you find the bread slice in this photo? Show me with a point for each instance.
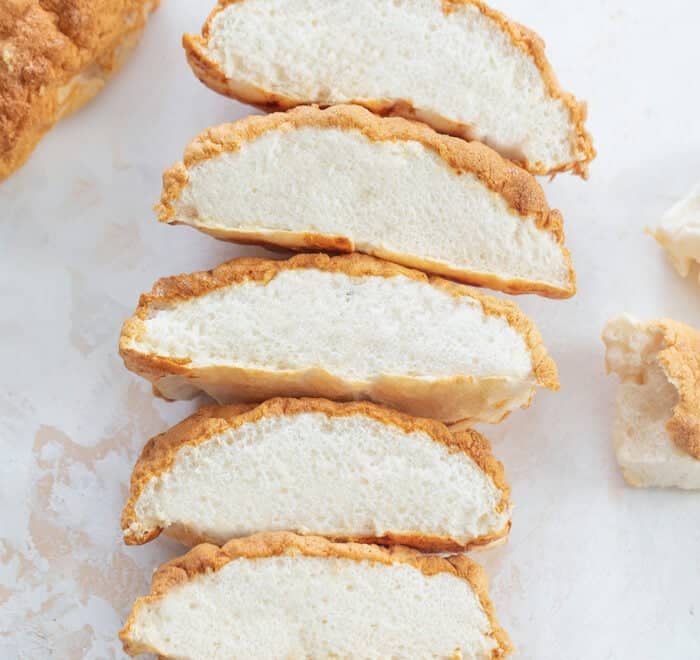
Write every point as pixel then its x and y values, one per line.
pixel 287 596
pixel 347 471
pixel 456 65
pixel 657 429
pixel 679 232
pixel 345 179
pixel 54 57
pixel 343 328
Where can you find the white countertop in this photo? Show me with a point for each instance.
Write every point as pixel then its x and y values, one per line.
pixel 593 570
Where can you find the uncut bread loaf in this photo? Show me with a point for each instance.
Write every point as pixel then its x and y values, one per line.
pixel 457 65
pixel 657 427
pixel 347 471
pixel 54 57
pixel 344 179
pixel 286 596
pixel 343 328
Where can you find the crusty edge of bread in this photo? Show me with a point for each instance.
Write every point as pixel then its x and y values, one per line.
pixel 171 290
pixel 679 359
pixel 159 455
pixel 211 74
pixel 65 97
pixel 206 558
pixel 521 192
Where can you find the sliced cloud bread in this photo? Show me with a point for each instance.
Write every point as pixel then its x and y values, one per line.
pixel 347 471
pixel 344 179
pixel 657 427
pixel 286 596
pixel 343 328
pixel 457 65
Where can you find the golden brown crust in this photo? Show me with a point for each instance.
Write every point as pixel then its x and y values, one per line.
pixel 459 399
pixel 55 55
pixel 211 74
pixel 680 360
pixel 160 453
pixel 521 192
pixel 206 558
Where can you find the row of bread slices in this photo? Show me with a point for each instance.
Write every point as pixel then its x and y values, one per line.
pixel 360 472
pixel 395 195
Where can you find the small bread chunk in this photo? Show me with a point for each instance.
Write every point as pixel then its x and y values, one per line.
pixel 457 65
pixel 344 179
pixel 54 57
pixel 347 471
pixel 657 428
pixel 679 232
pixel 343 328
pixel 287 596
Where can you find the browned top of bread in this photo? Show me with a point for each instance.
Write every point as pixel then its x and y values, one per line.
pixel 680 360
pixel 45 43
pixel 170 290
pixel 206 557
pixel 518 188
pixel 160 452
pixel 522 38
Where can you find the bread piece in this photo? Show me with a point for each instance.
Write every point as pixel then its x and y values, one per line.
pixel 657 429
pixel 343 328
pixel 287 596
pixel 344 179
pixel 348 471
pixel 457 65
pixel 54 57
pixel 679 232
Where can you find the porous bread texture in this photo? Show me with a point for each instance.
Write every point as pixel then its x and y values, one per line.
pixel 283 595
pixel 345 327
pixel 657 428
pixel 348 471
pixel 458 65
pixel 384 186
pixel 679 232
pixel 54 57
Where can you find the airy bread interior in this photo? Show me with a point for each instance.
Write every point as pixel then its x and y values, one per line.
pixel 311 607
pixel 645 403
pixel 679 232
pixel 396 198
pixel 455 62
pixel 344 476
pixel 358 328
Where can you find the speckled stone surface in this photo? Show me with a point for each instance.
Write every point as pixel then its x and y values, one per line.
pixel 593 569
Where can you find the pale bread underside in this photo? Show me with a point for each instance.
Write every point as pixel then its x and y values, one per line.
pixel 345 471
pixel 345 179
pixel 461 67
pixel 343 327
pixel 281 595
pixel 657 425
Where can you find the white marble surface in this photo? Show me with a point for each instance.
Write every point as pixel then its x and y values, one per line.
pixel 593 570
